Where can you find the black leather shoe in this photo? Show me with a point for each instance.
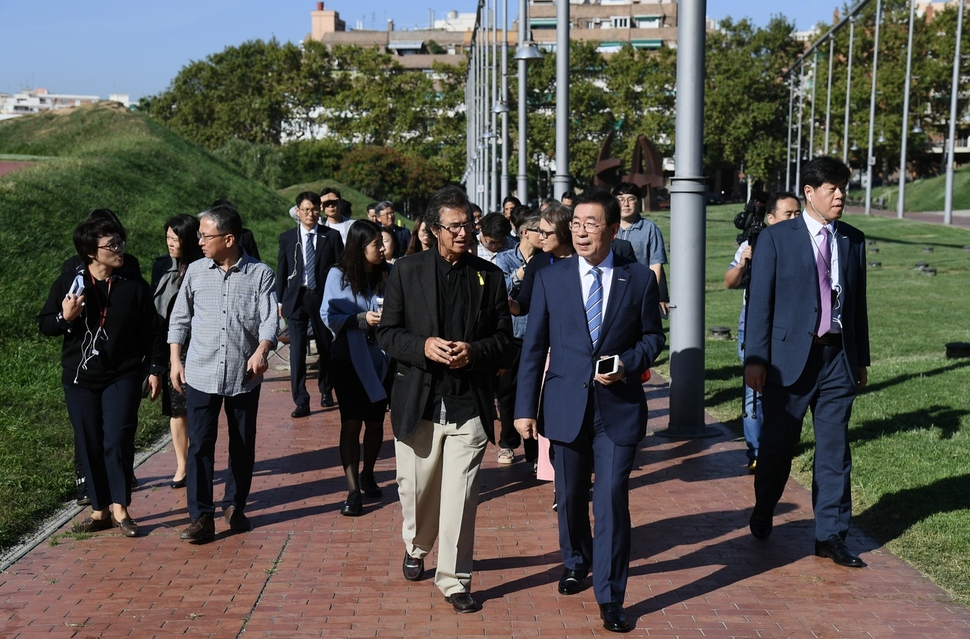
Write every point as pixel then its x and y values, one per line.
pixel 835 549
pixel 614 619
pixel 127 525
pixel 327 402
pixel 202 529
pixel 354 506
pixel 462 602
pixel 237 520
pixel 413 568
pixel 571 582
pixel 178 483
pixel 368 486
pixel 300 411
pixel 760 525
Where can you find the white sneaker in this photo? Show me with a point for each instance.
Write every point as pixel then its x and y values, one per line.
pixel 506 456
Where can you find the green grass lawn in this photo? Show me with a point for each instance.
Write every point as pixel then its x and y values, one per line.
pixel 925 194
pixel 910 427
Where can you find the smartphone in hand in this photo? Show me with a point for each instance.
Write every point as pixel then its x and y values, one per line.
pixel 608 365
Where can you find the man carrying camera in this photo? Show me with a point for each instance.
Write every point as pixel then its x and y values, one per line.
pixel 779 206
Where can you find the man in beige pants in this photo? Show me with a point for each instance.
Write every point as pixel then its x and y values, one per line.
pixel 446 323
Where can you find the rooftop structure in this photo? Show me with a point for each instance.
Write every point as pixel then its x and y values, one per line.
pixel 38 100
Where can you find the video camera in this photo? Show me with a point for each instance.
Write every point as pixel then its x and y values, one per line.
pixel 751 221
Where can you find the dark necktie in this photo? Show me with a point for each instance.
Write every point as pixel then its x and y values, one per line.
pixel 310 263
pixel 823 264
pixel 594 307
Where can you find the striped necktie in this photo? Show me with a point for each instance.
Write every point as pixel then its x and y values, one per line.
pixel 594 307
pixel 310 263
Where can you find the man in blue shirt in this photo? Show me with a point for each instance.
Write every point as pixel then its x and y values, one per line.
pixel 644 235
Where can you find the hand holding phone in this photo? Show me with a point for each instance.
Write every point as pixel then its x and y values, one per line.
pixel 608 365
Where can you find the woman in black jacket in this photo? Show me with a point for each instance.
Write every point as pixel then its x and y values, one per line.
pixel 105 317
pixel 181 237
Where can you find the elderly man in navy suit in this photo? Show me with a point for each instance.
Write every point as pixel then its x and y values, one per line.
pixel 592 306
pixel 807 346
pixel 306 255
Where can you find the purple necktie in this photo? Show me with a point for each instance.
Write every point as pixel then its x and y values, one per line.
pixel 823 263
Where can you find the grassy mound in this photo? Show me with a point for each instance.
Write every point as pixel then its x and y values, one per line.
pixel 94 157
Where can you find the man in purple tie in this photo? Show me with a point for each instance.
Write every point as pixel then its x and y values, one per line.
pixel 807 346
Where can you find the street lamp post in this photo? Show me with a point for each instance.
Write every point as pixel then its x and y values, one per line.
pixel 503 105
pixel 870 156
pixel 828 95
pixel 901 202
pixel 562 180
pixel 951 144
pixel 848 93
pixel 526 51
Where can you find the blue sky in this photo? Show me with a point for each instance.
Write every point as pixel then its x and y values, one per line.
pixel 97 47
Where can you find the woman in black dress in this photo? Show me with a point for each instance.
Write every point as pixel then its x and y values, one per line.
pixel 181 237
pixel 351 309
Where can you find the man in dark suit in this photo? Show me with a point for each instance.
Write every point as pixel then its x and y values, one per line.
pixel 590 306
pixel 807 346
pixel 300 290
pixel 446 323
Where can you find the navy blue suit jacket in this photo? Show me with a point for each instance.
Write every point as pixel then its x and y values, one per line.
pixel 557 323
pixel 289 269
pixel 783 306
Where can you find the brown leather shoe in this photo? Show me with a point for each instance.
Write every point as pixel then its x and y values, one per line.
pixel 202 529
pixel 91 525
pixel 127 525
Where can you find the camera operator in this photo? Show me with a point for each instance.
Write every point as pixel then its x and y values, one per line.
pixel 779 206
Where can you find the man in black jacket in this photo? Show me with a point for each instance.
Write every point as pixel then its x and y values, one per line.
pixel 299 290
pixel 446 323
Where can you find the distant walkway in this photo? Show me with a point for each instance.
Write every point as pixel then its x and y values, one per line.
pixel 306 571
pixel 959 219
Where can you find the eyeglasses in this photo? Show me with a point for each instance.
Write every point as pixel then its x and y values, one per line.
pixel 308 211
pixel 591 227
pixel 205 239
pixel 626 199
pixel 327 203
pixel 532 229
pixel 544 234
pixel 455 229
pixel 114 247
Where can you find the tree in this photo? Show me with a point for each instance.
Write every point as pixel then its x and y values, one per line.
pixel 250 92
pixel 385 173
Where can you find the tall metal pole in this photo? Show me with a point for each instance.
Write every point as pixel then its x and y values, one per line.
pixel 493 192
pixel 791 101
pixel 901 202
pixel 562 180
pixel 870 155
pixel 471 182
pixel 951 144
pixel 687 227
pixel 848 93
pixel 801 109
pixel 522 190
pixel 828 96
pixel 483 113
pixel 504 183
pixel 811 120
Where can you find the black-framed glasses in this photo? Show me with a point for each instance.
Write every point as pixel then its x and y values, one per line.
pixel 591 228
pixel 114 247
pixel 327 203
pixel 456 228
pixel 544 234
pixel 205 238
pixel 532 229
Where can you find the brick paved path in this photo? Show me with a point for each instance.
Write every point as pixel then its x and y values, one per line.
pixel 305 571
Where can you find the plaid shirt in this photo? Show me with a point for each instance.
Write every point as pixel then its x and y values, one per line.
pixel 227 314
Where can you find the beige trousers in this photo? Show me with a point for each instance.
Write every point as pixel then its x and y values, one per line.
pixel 437 477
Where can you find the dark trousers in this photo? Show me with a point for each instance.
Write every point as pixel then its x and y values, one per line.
pixel 607 551
pixel 828 389
pixel 203 415
pixel 305 314
pixel 505 385
pixel 105 421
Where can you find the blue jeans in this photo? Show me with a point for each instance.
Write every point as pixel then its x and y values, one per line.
pixel 751 414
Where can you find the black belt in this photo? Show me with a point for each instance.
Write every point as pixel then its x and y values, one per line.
pixel 825 340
